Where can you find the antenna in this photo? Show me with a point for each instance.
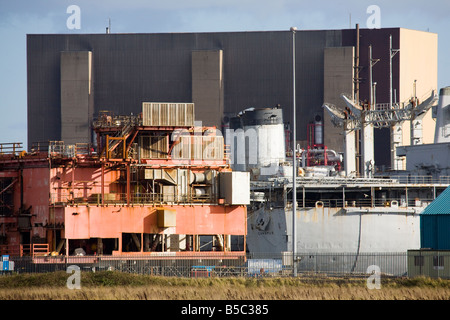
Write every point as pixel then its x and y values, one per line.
pixel 392 53
pixel 108 28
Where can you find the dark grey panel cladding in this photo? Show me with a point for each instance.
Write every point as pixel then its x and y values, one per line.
pixel 43 89
pixel 309 75
pixel 132 68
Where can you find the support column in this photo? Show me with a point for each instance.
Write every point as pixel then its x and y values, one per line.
pixel 128 184
pixel 367 144
pixel 99 246
pixel 207 86
pixel 103 184
pixel 396 140
pixel 77 98
pixel 350 151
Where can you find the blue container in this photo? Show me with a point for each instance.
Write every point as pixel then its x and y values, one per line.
pixel 5 260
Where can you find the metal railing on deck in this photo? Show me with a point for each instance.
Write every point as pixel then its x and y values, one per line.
pixel 11 148
pixel 23 250
pixel 58 149
pixel 413 179
pixel 365 203
pixel 135 198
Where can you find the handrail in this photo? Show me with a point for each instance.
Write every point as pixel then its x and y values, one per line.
pixel 11 148
pixel 367 203
pixel 136 198
pixel 35 249
pixel 358 180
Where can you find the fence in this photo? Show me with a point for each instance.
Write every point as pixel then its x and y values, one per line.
pixel 250 265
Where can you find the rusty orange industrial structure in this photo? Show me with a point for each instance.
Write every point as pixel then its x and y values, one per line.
pixel 151 183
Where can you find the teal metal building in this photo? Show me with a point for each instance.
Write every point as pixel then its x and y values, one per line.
pixel 435 223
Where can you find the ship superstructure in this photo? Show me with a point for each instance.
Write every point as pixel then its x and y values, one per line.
pixel 339 212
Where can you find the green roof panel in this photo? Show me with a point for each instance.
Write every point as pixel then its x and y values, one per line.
pixel 440 205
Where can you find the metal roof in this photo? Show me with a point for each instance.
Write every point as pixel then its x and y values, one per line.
pixel 440 205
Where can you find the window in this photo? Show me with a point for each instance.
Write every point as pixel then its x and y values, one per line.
pixel 418 261
pixel 438 262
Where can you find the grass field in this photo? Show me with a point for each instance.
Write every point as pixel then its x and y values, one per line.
pixel 122 286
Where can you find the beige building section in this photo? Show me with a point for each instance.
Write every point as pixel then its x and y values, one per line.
pixel 418 75
pixel 419 61
pixel 77 96
pixel 338 75
pixel 207 86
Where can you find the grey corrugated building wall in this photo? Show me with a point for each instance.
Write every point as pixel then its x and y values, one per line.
pixel 132 68
pixel 255 70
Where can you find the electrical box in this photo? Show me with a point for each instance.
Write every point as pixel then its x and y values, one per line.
pixel 7 265
pixel 235 187
pixel 166 218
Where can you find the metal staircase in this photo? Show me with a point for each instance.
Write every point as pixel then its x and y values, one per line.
pixel 121 136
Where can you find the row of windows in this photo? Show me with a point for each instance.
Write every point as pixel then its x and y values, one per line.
pixel 438 261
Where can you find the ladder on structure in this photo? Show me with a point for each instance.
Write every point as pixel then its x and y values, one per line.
pixel 120 137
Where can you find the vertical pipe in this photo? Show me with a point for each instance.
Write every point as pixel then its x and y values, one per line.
pixel 357 65
pixel 390 71
pixel 343 197
pixel 406 195
pixel 303 196
pixel 103 183
pixel 107 147
pixel 372 197
pixel 246 226
pixel 294 158
pixel 73 181
pixel 374 95
pixel 356 86
pixel 128 184
pixel 99 246
pixel 21 185
pixel 370 76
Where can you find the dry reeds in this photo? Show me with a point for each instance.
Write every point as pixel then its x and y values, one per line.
pixel 123 286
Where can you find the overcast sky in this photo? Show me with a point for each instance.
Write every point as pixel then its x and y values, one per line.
pixel 21 17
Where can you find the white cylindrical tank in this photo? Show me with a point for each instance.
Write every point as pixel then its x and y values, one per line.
pixel 264 129
pixel 442 131
pixel 318 126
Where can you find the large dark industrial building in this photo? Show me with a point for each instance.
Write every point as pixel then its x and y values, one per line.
pixel 71 77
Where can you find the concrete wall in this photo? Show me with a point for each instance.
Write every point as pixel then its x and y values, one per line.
pixel 338 71
pixel 418 61
pixel 76 96
pixel 207 85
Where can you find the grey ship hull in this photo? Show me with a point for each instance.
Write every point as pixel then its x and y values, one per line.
pixel 334 230
pixel 342 224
